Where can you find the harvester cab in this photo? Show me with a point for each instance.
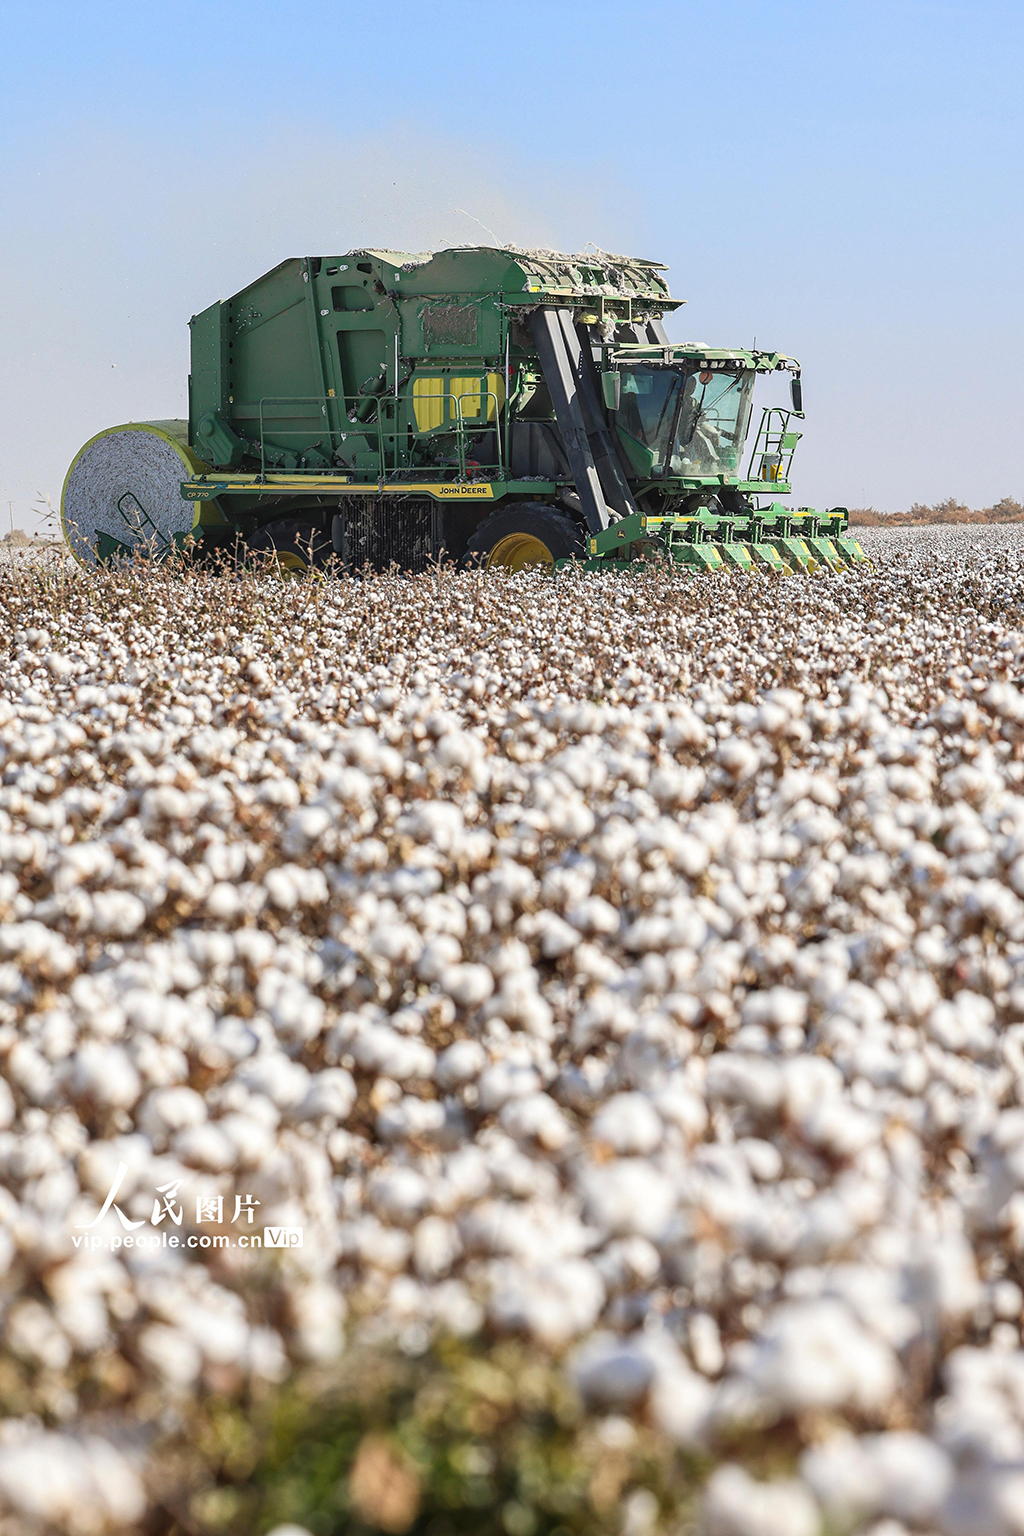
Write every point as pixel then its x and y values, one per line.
pixel 497 406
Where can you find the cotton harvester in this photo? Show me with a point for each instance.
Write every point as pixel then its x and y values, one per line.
pixel 493 406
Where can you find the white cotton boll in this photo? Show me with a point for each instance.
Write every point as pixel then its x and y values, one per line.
pixel 594 915
pixel 628 1262
pixel 33 1333
pixel 777 1007
pixel 610 1372
pixel 518 1001
pixel 398 1194
pixel 105 1074
pixel 705 1343
pixel 680 1404
pixel 1007 1300
pixel 680 1107
pixel 380 1247
pixel 551 1303
pixel 627 1196
pixel 436 1246
pixel 38 950
pixel 536 1117
pixel 205 1146
pixel 378 1048
pixel 748 1080
pixel 30 1071
pixel 739 758
pixel 7 1108
pixel 297 1013
pixel 965 1025
pixel 167 1110
pixel 467 985
pixel 304 828
pixel 219 1329
pixel 332 1092
pixel 454 1309
pixel 271 1073
pixel 557 937
pixel 224 902
pixel 942 1277
pixel 736 1505
pixel 116 914
pixel 503 1081
pixel 463 1061
pixel 290 1529
pixel 78 1486
pixel 171 1354
pixel 900 1474
pixel 808 1081
pixel 840 1129
pixel 816 1355
pixel 762 1158
pixel 317 1315
pixel 250 1137
pixel 410 1118
pixel 628 1123
pixel 441 953
pixel 396 942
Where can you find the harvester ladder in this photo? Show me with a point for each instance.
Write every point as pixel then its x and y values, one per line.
pixel 774 446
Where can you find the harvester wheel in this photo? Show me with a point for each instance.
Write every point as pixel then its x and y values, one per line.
pixel 531 534
pixel 300 547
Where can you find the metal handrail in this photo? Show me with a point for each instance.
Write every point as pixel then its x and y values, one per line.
pixel 373 426
pixel 372 422
pixel 460 430
pixel 770 443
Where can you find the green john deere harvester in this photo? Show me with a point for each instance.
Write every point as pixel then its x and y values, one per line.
pixel 493 406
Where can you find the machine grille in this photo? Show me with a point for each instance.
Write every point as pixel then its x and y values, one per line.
pixel 396 530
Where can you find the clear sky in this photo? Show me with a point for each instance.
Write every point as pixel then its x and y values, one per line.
pixel 842 180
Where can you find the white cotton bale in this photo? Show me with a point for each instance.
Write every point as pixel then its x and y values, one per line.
pixel 126 483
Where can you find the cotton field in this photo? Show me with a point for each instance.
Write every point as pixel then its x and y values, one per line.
pixel 630 966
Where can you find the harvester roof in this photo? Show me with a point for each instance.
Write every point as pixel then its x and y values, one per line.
pixel 515 274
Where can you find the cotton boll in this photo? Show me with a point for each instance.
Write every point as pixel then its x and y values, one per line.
pixel 461 1063
pixel 900 1474
pixel 536 1117
pixel 436 1247
pixel 170 1353
pixel 504 1081
pixel 627 1196
pixel 167 1110
pixel 398 1194
pixel 332 1093
pixel 551 1303
pixel 316 1313
pixel 612 1373
pixel 736 1505
pixel 105 1074
pixel 205 1146
pixel 815 1355
pixel 440 954
pixel 467 985
pixel 628 1123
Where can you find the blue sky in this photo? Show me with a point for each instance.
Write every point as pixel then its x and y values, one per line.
pixel 842 181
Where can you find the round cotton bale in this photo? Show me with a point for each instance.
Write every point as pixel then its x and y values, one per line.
pixel 122 495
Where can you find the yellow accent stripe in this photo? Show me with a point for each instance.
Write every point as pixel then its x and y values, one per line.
pixel 443 490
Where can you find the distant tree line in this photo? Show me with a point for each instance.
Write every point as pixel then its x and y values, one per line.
pixel 1008 510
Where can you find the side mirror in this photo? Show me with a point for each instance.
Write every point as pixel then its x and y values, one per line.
pixel 611 390
pixel 796 394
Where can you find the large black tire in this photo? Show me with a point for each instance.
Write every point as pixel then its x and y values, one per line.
pixel 300 547
pixel 528 534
